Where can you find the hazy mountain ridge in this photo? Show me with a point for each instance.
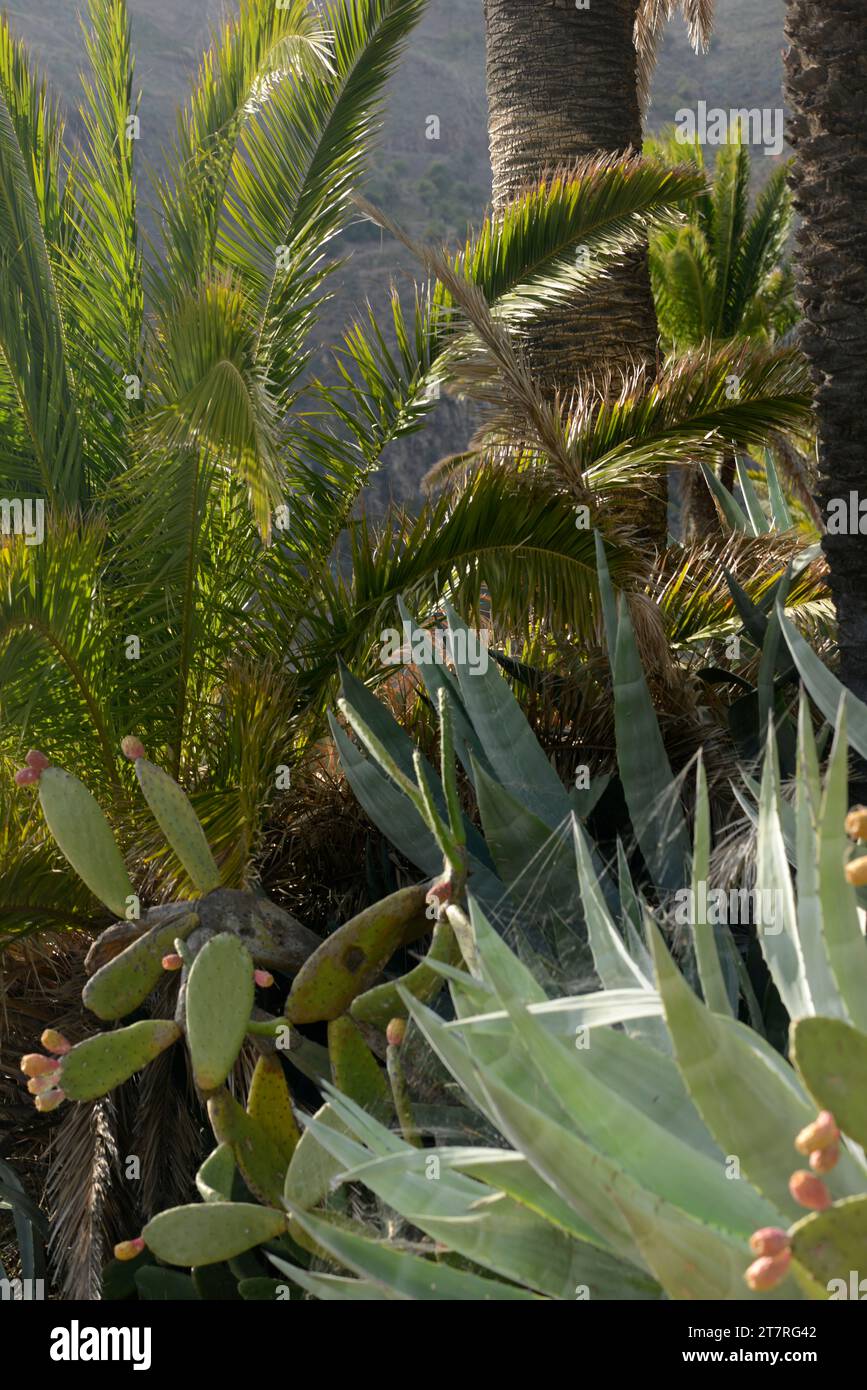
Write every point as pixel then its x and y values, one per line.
pixel 434 187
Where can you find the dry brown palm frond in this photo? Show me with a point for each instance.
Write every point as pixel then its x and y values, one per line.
pixel 650 22
pixel 88 1204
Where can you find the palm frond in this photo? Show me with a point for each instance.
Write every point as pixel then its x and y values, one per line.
pixel 33 342
pixel 102 269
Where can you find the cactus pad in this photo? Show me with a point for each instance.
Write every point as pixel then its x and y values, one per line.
pixel 831 1057
pixel 94 1067
pixel 179 823
pixel 84 836
pixel 218 1000
pixel 211 1233
pixel 351 958
pixel 121 985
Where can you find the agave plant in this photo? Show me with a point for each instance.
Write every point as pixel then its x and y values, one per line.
pixel 633 1167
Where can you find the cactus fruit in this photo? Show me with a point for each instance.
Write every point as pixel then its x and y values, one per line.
pixel 770 1240
pixel 208 1234
pixel 55 1042
pixel 821 1134
pixel 825 1160
pixel 261 1163
pixel 270 1105
pixel 351 958
pixel 84 836
pixel 384 1002
pixel 129 1249
pixel 768 1271
pixel 856 823
pixel 395 1032
pixel 355 1071
pixel 26 777
pixel 178 821
pixel 121 985
pixel 809 1191
pixel 132 747
pixel 856 871
pixel 94 1067
pixel 263 978
pixel 35 1065
pixel 172 961
pixel 218 1002
pixel 831 1058
pixel 49 1100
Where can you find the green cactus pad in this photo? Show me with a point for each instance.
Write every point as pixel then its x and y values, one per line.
pixel 270 1105
pixel 121 985
pixel 179 823
pixel 218 1001
pixel 217 1175
pixel 209 1234
pixel 383 1003
pixel 832 1243
pixel 351 958
pixel 83 834
pixel 94 1067
pixel 831 1057
pixel 355 1070
pixel 263 1166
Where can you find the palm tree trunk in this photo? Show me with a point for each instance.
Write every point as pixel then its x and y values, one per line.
pixel 826 68
pixel 562 85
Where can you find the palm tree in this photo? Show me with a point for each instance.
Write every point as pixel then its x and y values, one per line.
pixel 721 275
pixel 828 133
pixel 565 82
pixel 152 401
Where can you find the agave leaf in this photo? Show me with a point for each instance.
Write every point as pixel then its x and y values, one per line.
pixel 648 785
pixel 516 758
pixel 825 688
pixel 757 1121
pixel 780 938
pixel 707 957
pixel 732 513
pixel 758 520
pixel 779 506
pixel 526 851
pixel 408 1276
pixel 334 1287
pixel 653 1153
pixel 485 1225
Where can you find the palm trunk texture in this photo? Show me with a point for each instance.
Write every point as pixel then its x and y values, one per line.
pixel 826 89
pixel 561 85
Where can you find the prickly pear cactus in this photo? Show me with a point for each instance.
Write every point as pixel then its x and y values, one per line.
pixel 825 1247
pixel 225 943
